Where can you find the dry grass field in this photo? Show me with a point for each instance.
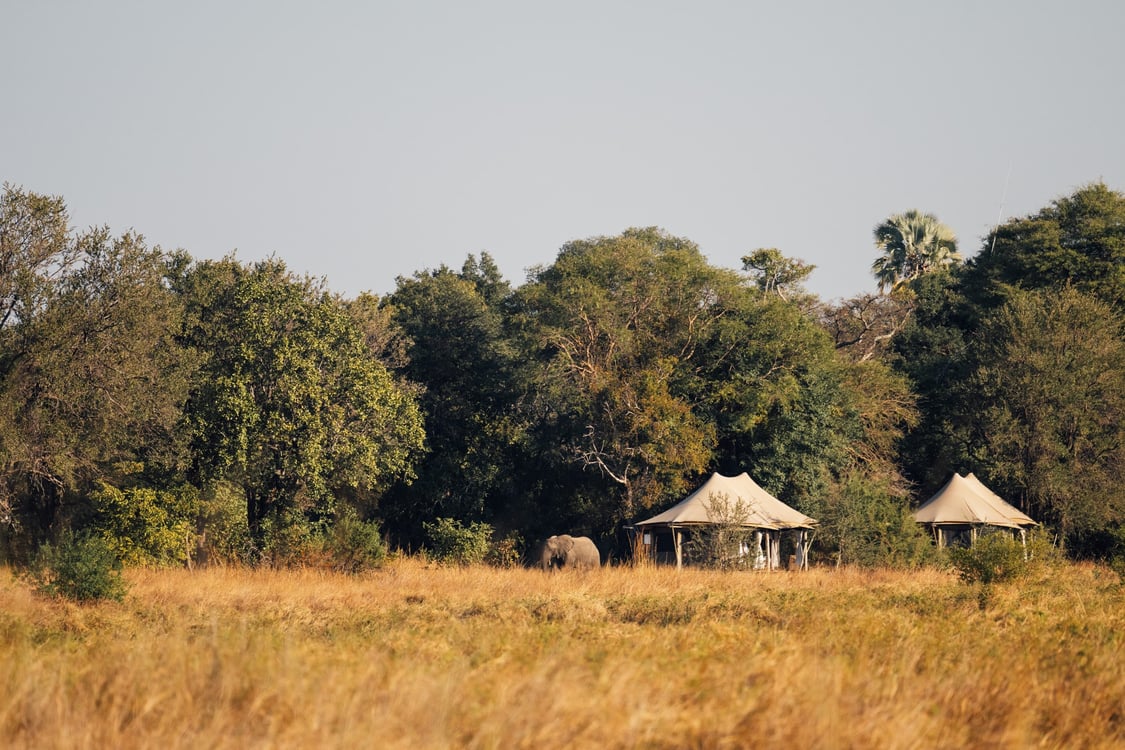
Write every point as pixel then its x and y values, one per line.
pixel 414 656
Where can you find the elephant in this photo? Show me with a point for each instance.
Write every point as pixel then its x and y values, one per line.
pixel 565 551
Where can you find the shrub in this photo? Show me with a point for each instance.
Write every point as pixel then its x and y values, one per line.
pixel 724 542
pixel 996 557
pixel 871 528
pixel 83 568
pixel 506 552
pixel 288 541
pixel 222 534
pixel 143 525
pixel 453 543
pixel 355 545
pixel 1041 551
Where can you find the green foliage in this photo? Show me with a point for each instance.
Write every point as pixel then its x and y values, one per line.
pixel 768 380
pixel 462 356
pixel 776 274
pixel 886 408
pixel 453 543
pixel 90 372
pixel 870 527
pixel 599 389
pixel 222 532
pixel 997 557
pixel 289 541
pixel 1077 241
pixel 144 526
pixel 1018 361
pixel 614 325
pixel 1045 359
pixel 912 244
pixel 290 404
pixel 348 544
pixel 82 567
pixel 355 545
pixel 1042 551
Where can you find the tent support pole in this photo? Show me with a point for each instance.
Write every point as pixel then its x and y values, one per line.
pixel 677 540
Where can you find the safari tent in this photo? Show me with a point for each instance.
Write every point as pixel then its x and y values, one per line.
pixel 760 511
pixel 957 512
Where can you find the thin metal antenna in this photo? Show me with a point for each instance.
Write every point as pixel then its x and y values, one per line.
pixel 1003 197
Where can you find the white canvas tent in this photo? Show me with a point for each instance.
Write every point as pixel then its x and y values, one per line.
pixel 963 506
pixel 763 512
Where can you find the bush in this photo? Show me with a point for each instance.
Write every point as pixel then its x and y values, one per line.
pixel 288 541
pixel 355 545
pixel 872 528
pixel 724 543
pixel 145 526
pixel 996 557
pixel 453 543
pixel 83 568
pixel 506 552
pixel 222 535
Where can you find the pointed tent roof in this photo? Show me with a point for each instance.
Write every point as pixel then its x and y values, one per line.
pixel 1011 511
pixel 764 510
pixel 965 500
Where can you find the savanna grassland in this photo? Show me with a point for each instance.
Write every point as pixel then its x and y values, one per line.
pixel 414 656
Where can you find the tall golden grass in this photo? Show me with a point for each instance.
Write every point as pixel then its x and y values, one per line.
pixel 415 656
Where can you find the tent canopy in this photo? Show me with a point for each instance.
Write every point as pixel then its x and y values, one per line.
pixel 763 510
pixel 966 501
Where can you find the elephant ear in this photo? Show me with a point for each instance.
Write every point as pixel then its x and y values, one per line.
pixel 566 543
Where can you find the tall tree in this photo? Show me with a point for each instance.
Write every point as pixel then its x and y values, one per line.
pixel 1050 387
pixel 461 356
pixel 290 403
pixel 912 244
pixel 776 274
pixel 90 373
pixel 1077 241
pixel 615 323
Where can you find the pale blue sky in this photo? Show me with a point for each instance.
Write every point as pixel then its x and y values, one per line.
pixel 360 141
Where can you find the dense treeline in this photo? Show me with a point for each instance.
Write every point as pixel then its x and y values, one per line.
pixel 183 408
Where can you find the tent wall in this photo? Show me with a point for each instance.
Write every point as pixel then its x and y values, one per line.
pixel 669 546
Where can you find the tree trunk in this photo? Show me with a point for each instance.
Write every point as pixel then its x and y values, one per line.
pixel 255 513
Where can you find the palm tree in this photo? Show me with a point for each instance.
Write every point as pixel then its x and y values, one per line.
pixel 912 243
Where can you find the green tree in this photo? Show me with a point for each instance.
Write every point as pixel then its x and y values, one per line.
pixel 1077 241
pixel 886 408
pixel 459 352
pixel 614 325
pixel 935 352
pixel 776 274
pixel 452 542
pixel 79 567
pixel 36 251
pixel 869 526
pixel 954 348
pixel 912 244
pixel 90 373
pixel 1050 387
pixel 769 382
pixel 144 526
pixel 290 404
